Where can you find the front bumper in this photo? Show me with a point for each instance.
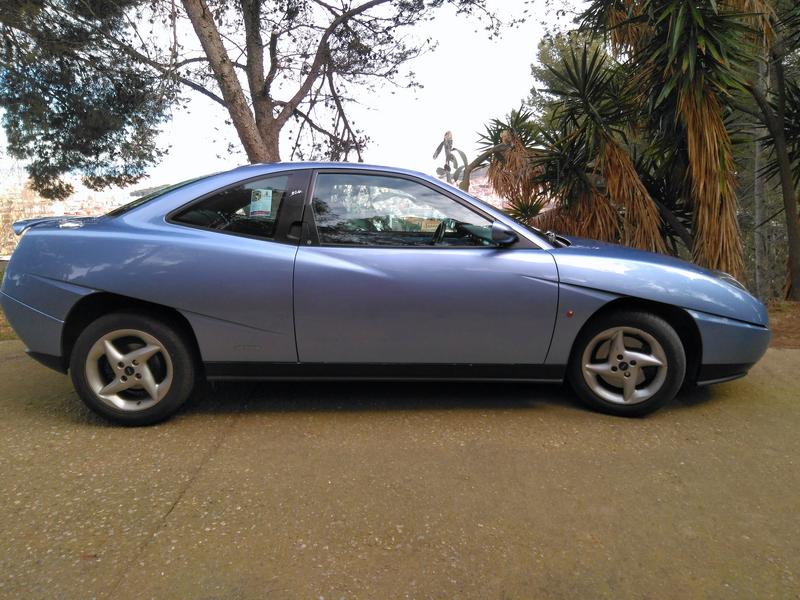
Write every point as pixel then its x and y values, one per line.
pixel 730 347
pixel 709 374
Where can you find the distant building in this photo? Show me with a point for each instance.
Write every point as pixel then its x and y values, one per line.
pixel 480 187
pixel 18 201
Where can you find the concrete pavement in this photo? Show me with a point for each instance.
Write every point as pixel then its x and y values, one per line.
pixel 387 490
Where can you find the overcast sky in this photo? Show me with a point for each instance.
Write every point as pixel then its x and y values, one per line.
pixel 467 80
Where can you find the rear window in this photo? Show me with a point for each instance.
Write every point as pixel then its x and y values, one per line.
pixel 251 208
pixel 152 196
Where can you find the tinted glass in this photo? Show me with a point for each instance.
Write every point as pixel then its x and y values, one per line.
pixel 252 208
pixel 377 210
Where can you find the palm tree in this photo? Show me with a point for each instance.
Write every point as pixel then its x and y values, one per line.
pixel 636 144
pixel 700 54
pixel 778 110
pixel 638 131
pixel 581 160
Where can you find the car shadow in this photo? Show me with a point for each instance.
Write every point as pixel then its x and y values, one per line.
pixel 228 398
pixel 343 396
pixel 361 396
pixel 692 396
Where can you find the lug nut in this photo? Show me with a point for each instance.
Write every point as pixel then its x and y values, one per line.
pixel 138 376
pixel 619 356
pixel 120 364
pixel 633 362
pixel 613 368
pixel 136 362
pixel 124 378
pixel 627 374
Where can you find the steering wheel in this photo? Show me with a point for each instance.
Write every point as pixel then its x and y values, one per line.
pixel 438 235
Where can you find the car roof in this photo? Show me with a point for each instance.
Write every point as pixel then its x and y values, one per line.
pixel 277 166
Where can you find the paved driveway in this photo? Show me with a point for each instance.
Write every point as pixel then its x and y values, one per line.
pixel 388 490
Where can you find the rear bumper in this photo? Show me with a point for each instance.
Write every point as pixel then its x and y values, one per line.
pixel 57 363
pixel 40 332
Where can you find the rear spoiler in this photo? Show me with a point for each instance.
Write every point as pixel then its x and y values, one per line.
pixel 22 226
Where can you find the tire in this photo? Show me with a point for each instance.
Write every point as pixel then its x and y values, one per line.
pixel 649 374
pixel 143 377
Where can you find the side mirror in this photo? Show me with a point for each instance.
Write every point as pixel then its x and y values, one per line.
pixel 502 234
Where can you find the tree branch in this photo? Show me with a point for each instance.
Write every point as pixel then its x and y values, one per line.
pixel 767 115
pixel 338 102
pixel 307 118
pixel 273 63
pixel 251 13
pixel 168 70
pixel 321 56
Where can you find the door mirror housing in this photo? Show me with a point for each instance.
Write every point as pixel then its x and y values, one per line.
pixel 502 234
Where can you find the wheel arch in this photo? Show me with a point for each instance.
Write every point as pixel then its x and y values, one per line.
pixel 93 306
pixel 678 318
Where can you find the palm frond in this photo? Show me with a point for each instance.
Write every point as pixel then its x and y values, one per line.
pixel 591 215
pixel 792 127
pixel 759 15
pixel 641 222
pixel 717 241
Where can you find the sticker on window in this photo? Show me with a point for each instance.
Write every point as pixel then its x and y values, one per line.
pixel 261 203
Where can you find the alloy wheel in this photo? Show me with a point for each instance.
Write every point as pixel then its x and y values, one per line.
pixel 129 369
pixel 624 365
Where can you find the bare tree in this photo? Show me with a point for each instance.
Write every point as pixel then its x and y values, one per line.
pixel 273 66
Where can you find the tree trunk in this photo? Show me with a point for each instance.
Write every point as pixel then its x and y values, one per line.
pixel 785 172
pixel 758 196
pixel 792 230
pixel 241 115
pixel 758 215
pixel 272 136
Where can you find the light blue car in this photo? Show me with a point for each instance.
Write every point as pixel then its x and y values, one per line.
pixel 344 271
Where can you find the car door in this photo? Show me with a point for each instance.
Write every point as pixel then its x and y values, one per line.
pixel 397 270
pixel 233 278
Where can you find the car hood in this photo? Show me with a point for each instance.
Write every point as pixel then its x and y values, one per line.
pixel 657 277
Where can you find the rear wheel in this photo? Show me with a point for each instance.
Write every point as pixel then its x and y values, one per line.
pixel 627 363
pixel 132 369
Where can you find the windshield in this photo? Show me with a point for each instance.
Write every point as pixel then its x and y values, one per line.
pixel 151 196
pixel 548 235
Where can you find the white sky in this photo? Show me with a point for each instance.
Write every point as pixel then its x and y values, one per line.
pixel 467 80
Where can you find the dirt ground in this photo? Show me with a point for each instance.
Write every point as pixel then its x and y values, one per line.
pixel 401 491
pixel 784 320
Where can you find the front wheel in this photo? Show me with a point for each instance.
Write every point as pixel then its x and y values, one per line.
pixel 627 363
pixel 132 369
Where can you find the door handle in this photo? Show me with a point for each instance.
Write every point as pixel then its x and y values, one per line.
pixel 299 231
pixel 296 230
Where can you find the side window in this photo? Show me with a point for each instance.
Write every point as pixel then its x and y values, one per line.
pixel 251 208
pixel 379 210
